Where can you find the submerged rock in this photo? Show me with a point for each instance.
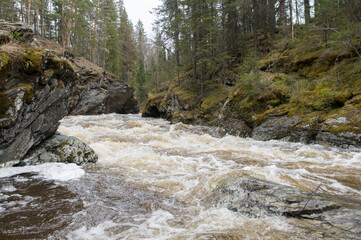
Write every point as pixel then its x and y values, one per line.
pixel 257 198
pixel 60 148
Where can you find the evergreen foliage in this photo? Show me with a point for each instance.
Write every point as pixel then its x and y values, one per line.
pixel 98 30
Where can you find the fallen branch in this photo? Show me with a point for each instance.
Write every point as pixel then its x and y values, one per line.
pixel 313 193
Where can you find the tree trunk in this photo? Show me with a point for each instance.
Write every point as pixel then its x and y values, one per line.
pixel 272 17
pixel 28 12
pixel 291 19
pixel 307 11
pixel 22 11
pixel 37 28
pixel 282 12
pixel 297 12
pixel 42 18
pixel 66 41
pixel 94 34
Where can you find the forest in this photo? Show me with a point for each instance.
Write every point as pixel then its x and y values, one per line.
pixel 196 40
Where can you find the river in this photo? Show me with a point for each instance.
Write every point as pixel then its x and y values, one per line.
pixel 152 179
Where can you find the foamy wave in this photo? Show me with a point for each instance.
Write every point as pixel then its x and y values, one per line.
pixel 51 171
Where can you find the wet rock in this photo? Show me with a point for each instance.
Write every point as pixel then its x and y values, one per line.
pixel 60 148
pixel 257 198
pixel 285 128
pixel 235 127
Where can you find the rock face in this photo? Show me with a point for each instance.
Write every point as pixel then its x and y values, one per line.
pixel 98 92
pixel 256 198
pixel 60 148
pixel 39 87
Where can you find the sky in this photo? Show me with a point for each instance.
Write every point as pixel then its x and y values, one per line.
pixel 140 10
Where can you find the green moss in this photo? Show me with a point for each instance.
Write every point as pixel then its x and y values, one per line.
pixel 184 94
pixel 48 73
pixel 5 104
pixel 33 58
pixel 215 96
pixel 28 89
pixel 67 65
pixel 61 84
pixel 4 60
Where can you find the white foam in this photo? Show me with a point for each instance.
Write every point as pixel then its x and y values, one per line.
pixel 8 188
pixel 92 233
pixel 51 171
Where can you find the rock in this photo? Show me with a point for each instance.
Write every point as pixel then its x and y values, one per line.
pixel 286 128
pixel 18 31
pixel 5 37
pixel 330 133
pixel 98 92
pixel 257 198
pixel 236 127
pixel 60 148
pixel 40 87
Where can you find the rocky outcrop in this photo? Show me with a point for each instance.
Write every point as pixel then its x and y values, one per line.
pixel 240 116
pixel 256 198
pixel 39 87
pixel 98 92
pixel 60 148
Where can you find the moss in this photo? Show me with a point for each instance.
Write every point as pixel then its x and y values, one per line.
pixel 33 58
pixel 215 96
pixel 48 73
pixel 4 60
pixel 5 104
pixel 184 94
pixel 28 89
pixel 66 64
pixel 61 84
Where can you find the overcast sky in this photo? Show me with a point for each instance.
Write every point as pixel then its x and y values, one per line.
pixel 140 9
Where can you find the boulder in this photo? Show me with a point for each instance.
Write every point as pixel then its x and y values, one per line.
pixel 60 148
pixel 257 198
pixel 290 128
pixel 330 133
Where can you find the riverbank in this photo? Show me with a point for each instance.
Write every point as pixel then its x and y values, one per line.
pixel 301 90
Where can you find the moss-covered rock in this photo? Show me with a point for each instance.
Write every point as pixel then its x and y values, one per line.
pixel 60 148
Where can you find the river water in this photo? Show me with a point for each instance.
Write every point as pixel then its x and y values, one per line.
pixel 152 179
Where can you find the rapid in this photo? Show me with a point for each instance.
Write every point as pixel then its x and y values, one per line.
pixel 153 178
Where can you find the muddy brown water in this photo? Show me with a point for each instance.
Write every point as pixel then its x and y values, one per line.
pixel 152 178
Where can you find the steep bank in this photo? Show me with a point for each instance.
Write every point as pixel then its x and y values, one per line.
pixel 38 87
pixel 298 90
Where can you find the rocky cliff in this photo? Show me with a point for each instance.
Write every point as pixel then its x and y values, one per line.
pixel 38 87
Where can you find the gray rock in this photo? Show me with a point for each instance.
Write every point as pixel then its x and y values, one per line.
pixel 328 134
pixel 286 128
pixel 256 198
pixel 5 37
pixel 60 148
pixel 101 94
pixel 33 102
